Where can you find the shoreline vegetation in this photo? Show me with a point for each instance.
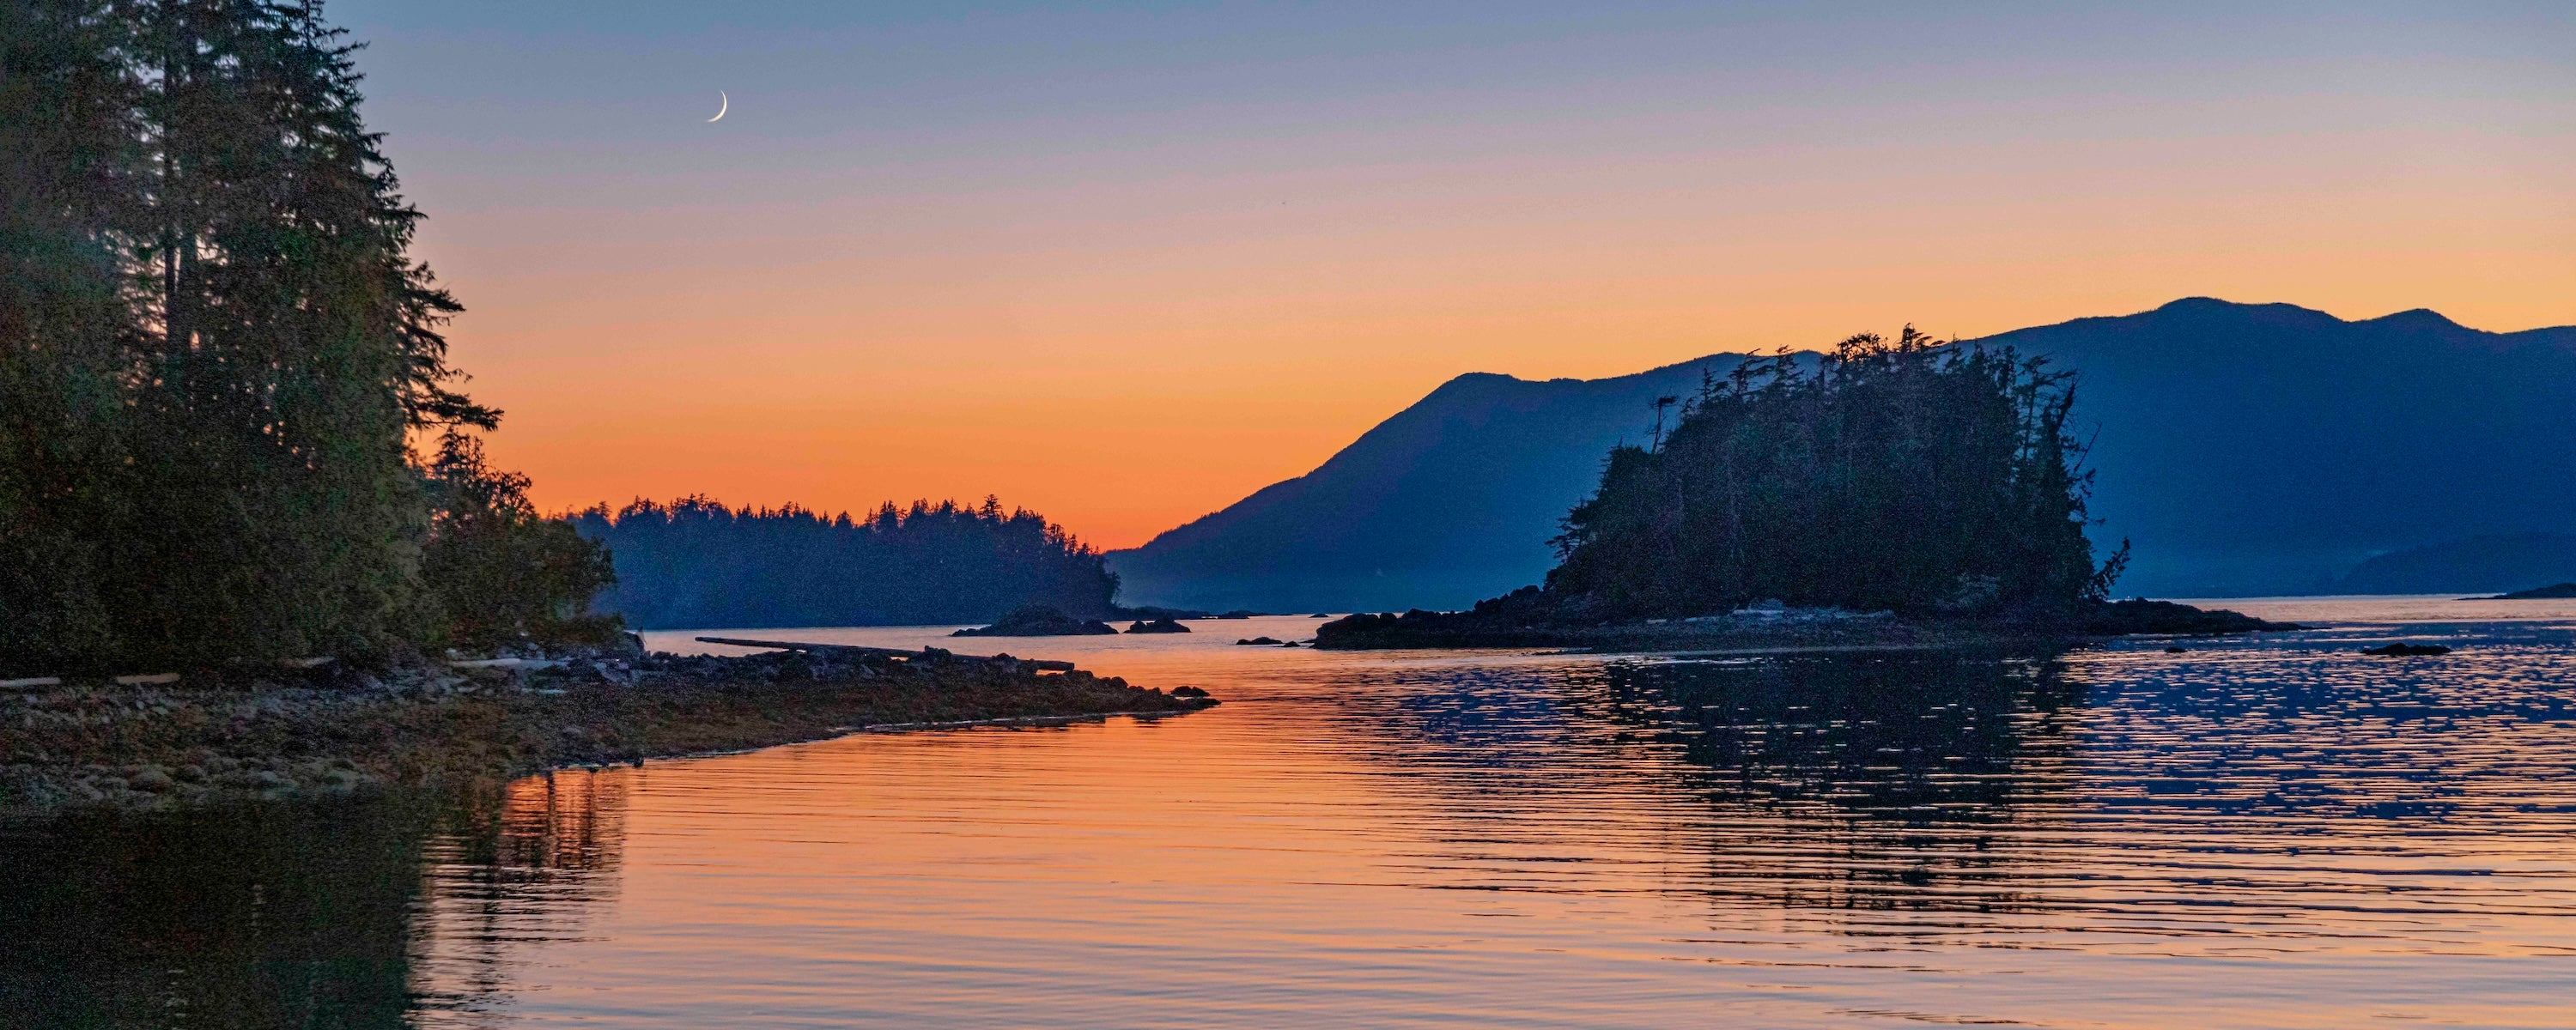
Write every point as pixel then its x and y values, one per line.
pixel 231 736
pixel 232 444
pixel 229 428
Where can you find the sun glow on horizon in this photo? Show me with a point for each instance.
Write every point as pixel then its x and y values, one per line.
pixel 1126 269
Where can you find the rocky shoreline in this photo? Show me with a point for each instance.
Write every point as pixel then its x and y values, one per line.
pixel 216 737
pixel 1506 625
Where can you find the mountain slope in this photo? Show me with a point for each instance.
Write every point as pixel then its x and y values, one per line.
pixel 1450 500
pixel 2481 564
pixel 2252 449
pixel 2243 448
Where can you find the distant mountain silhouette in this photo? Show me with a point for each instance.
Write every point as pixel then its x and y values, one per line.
pixel 2481 564
pixel 1450 500
pixel 2243 448
pixel 2263 448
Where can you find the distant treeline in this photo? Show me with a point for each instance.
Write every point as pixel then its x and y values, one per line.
pixel 696 563
pixel 217 356
pixel 1907 475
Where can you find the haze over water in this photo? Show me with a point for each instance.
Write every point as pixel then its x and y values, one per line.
pixel 2275 831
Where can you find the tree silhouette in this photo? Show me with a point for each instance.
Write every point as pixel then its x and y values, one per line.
pixel 214 344
pixel 1908 474
pixel 694 562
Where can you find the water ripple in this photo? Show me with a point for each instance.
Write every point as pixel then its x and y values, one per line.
pixel 2265 832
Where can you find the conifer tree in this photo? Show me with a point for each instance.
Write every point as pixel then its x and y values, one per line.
pixel 68 191
pixel 295 345
pixel 214 345
pixel 498 572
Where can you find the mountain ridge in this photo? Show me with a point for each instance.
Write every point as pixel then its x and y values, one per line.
pixel 2241 446
pixel 1546 438
pixel 2485 563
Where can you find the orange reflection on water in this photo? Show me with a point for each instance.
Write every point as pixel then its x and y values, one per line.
pixel 2273 832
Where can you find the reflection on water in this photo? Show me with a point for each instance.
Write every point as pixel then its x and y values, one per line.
pixel 1880 783
pixel 526 870
pixel 2256 799
pixel 341 913
pixel 2264 832
pixel 248 917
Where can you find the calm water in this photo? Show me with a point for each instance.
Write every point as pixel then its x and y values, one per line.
pixel 2266 832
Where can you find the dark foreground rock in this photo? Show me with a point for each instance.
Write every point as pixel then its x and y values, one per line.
pixel 212 737
pixel 1039 620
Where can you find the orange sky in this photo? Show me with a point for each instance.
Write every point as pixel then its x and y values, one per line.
pixel 1127 305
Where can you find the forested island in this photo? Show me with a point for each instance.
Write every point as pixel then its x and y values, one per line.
pixel 696 562
pixel 1904 491
pixel 247 522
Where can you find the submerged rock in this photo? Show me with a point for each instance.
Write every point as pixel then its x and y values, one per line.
pixel 2402 649
pixel 1262 641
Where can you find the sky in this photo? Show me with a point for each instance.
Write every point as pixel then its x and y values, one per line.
pixel 1125 263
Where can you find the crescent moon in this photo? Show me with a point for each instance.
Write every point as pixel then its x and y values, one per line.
pixel 723 103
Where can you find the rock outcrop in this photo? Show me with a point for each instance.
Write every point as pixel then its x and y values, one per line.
pixel 1039 620
pixel 2402 649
